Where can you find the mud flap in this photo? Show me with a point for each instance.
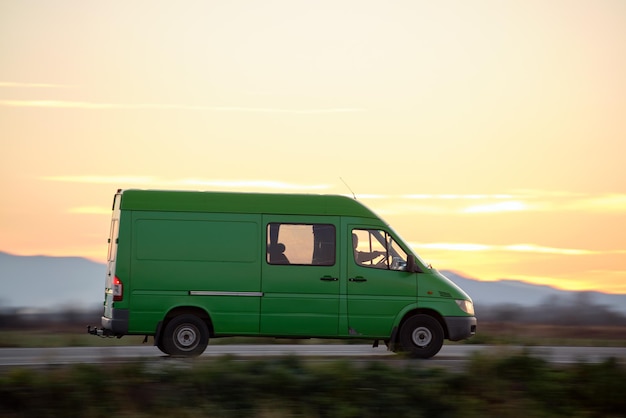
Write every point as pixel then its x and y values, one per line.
pixel 391 343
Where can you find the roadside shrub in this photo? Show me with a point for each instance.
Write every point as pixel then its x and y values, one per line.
pixel 499 386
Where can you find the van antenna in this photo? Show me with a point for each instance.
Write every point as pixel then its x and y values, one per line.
pixel 344 182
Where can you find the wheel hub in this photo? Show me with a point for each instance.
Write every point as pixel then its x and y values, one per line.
pixel 186 337
pixel 422 336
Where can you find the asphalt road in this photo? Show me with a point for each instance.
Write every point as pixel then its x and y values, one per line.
pixel 453 356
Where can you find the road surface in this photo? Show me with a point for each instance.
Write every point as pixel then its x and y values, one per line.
pixel 453 356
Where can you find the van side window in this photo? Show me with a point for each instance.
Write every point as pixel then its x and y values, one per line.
pixel 301 244
pixel 377 249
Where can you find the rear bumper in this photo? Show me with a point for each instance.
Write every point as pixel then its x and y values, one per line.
pixel 460 327
pixel 117 323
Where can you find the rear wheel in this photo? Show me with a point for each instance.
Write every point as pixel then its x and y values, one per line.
pixel 421 336
pixel 185 335
pixel 159 345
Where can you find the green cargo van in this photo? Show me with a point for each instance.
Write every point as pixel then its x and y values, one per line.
pixel 188 266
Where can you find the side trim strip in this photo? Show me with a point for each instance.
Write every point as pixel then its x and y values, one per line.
pixel 211 293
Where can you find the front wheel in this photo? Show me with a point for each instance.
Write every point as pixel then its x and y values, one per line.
pixel 421 336
pixel 185 335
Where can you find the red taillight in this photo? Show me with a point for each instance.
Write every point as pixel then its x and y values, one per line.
pixel 118 289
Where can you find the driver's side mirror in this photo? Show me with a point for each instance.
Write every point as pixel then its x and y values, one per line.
pixel 411 265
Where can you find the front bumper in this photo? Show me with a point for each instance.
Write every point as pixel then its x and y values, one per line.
pixel 460 327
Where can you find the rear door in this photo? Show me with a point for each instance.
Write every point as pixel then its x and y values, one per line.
pixel 300 276
pixel 112 255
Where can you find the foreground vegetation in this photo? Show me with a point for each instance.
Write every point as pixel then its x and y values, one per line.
pixel 517 386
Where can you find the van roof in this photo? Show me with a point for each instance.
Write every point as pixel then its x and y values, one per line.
pixel 229 202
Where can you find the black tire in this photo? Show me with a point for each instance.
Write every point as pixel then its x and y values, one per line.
pixel 159 345
pixel 421 336
pixel 185 336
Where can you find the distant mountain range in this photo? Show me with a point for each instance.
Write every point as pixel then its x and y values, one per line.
pixel 42 282
pixel 515 292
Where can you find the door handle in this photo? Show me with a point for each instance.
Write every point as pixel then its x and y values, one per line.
pixel 329 279
pixel 357 279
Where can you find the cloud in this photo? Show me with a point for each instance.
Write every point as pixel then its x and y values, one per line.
pixel 137 180
pixel 518 201
pixel 457 196
pixel 606 202
pixel 449 204
pixel 60 104
pixel 525 248
pixel 149 181
pixel 452 246
pixel 531 248
pixel 91 210
pixel 31 85
pixel 508 206
pixel 556 282
pixel 260 184
pixel 562 201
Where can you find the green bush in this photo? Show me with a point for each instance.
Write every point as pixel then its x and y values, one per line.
pixel 511 386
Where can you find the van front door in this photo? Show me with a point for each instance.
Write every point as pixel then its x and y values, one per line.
pixel 379 286
pixel 300 276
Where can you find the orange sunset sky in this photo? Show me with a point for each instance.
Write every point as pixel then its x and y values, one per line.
pixel 490 134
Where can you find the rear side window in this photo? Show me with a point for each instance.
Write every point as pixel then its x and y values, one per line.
pixel 301 244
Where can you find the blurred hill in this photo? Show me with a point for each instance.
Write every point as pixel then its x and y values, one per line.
pixel 44 283
pixel 514 300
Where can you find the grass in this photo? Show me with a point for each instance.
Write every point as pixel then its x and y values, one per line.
pixel 488 333
pixel 48 338
pixel 501 333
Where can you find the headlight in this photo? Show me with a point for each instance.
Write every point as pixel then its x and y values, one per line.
pixel 466 306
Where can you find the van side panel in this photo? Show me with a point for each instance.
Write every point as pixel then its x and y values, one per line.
pixel 206 260
pixel 300 295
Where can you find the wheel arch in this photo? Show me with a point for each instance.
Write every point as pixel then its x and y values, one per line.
pixel 425 311
pixel 184 310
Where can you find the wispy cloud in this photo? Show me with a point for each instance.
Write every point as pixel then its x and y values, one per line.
pixel 149 181
pixel 531 248
pixel 448 196
pixel 450 204
pixel 91 210
pixel 507 206
pixel 607 202
pixel 132 180
pixel 260 184
pixel 447 246
pixel 61 104
pixel 524 248
pixel 519 201
pixel 557 282
pixel 31 85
